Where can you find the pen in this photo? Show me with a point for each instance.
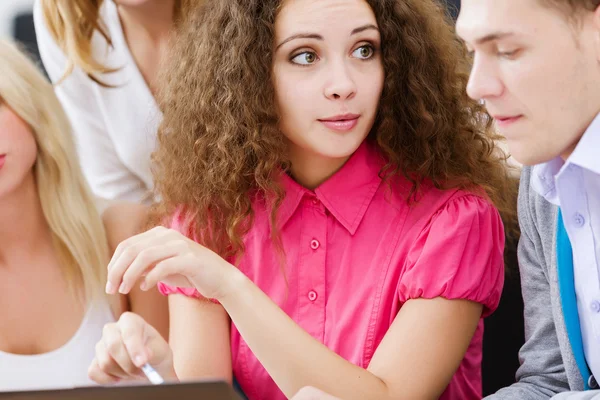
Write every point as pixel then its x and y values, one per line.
pixel 153 376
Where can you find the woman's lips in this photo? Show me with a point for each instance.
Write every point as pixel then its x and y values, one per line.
pixel 341 123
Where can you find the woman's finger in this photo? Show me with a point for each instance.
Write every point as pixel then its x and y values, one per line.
pixel 125 244
pixel 115 347
pixel 128 253
pixel 136 333
pixel 178 265
pixel 146 259
pixel 107 364
pixel 96 374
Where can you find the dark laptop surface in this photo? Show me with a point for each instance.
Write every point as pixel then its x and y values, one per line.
pixel 182 391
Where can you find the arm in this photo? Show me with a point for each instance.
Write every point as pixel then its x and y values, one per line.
pixel 432 334
pixel 108 177
pixel 542 372
pixel 200 339
pixel 425 333
pixel 121 221
pixel 199 345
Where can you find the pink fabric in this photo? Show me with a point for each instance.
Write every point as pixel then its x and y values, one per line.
pixel 355 252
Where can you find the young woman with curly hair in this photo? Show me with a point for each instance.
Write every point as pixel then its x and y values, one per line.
pixel 333 191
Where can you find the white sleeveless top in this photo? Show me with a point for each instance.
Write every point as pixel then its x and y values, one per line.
pixel 65 367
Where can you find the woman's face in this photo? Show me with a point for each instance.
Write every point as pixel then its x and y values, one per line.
pixel 328 75
pixel 18 150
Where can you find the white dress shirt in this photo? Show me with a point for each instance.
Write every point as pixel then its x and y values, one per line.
pixel 574 185
pixel 115 127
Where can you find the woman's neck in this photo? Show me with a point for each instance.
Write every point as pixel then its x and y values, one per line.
pixel 23 228
pixel 310 169
pixel 151 21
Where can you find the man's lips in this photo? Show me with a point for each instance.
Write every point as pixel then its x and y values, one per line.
pixel 506 120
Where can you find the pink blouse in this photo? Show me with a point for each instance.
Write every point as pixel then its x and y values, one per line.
pixel 356 252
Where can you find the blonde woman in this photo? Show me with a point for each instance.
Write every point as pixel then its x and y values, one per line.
pixel 54 248
pixel 102 56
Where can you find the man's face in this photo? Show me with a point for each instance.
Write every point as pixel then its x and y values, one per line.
pixel 537 70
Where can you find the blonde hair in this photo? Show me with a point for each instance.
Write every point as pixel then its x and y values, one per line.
pixel 67 202
pixel 72 23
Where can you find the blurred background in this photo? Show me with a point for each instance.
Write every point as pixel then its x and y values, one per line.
pixel 16 21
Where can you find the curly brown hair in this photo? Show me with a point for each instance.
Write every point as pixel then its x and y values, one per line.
pixel 219 142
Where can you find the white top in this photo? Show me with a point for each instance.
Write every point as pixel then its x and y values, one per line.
pixel 115 127
pixel 65 367
pixel 574 185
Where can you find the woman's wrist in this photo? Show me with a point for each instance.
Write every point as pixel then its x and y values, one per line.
pixel 234 284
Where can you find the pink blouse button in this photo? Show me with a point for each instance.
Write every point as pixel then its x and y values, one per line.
pixel 314 244
pixel 312 295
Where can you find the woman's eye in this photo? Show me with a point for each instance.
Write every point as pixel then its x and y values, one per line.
pixel 364 52
pixel 305 58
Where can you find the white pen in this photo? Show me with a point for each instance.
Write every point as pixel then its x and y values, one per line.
pixel 153 376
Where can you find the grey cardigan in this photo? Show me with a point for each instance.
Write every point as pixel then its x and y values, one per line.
pixel 547 363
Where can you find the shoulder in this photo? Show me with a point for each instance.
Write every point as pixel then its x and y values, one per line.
pixel 38 15
pixel 431 202
pixel 456 251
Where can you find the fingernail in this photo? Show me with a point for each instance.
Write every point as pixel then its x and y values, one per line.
pixel 109 288
pixel 139 361
pixel 143 285
pixel 123 288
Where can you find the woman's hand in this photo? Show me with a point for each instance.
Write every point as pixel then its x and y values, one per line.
pixel 126 346
pixel 165 255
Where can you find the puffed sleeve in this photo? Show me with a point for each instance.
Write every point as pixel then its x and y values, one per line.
pixel 458 255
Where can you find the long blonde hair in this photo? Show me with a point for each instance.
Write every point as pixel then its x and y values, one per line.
pixel 72 23
pixel 67 202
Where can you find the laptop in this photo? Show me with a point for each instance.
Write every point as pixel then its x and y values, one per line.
pixel 182 391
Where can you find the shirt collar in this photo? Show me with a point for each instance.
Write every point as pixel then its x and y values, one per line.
pixel 585 155
pixel 543 179
pixel 347 194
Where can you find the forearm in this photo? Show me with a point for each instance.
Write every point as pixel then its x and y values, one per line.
pixel 292 357
pixel 199 339
pixel 153 307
